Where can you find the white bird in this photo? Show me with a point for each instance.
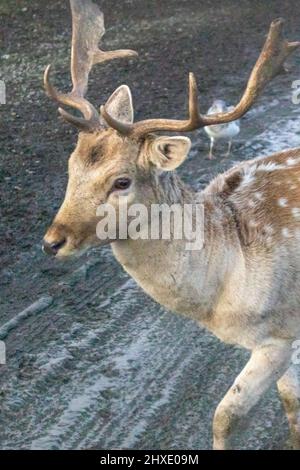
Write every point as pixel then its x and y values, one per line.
pixel 221 131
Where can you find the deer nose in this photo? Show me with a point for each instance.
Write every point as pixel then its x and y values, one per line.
pixel 54 247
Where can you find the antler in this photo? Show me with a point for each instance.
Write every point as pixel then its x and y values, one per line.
pixel 269 64
pixel 88 29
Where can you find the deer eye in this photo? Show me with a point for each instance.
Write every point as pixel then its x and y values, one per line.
pixel 121 184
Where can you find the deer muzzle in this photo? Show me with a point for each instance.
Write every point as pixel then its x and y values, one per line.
pixel 57 239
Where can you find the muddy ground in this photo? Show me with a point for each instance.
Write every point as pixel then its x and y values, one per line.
pixel 93 362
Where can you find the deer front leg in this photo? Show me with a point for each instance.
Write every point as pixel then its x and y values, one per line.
pixel 289 389
pixel 266 365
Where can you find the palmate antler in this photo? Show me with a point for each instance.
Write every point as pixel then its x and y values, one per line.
pixel 269 64
pixel 88 29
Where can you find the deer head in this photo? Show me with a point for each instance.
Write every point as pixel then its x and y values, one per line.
pixel 116 159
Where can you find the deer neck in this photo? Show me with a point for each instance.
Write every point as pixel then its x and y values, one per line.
pixel 163 267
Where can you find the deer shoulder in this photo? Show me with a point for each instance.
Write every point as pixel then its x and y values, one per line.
pixel 263 196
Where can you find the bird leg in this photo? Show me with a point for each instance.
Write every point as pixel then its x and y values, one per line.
pixel 211 155
pixel 229 149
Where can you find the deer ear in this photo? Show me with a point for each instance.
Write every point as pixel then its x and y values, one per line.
pixel 168 153
pixel 119 105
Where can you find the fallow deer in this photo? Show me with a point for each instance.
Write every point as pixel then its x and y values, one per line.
pixel 244 284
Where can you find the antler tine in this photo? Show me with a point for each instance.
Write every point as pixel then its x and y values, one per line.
pixel 87 30
pixel 194 113
pixel 91 116
pixel 151 125
pixel 269 64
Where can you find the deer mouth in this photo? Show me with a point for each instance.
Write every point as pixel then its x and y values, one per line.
pixel 68 247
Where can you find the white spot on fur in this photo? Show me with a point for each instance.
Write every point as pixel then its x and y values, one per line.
pixel 285 232
pixel 249 175
pixel 296 212
pixel 271 166
pixel 282 202
pixel 258 196
pixel 291 162
pixel 253 223
pixel 268 229
pixel 251 203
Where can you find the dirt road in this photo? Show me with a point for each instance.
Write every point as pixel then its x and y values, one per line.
pixel 92 362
